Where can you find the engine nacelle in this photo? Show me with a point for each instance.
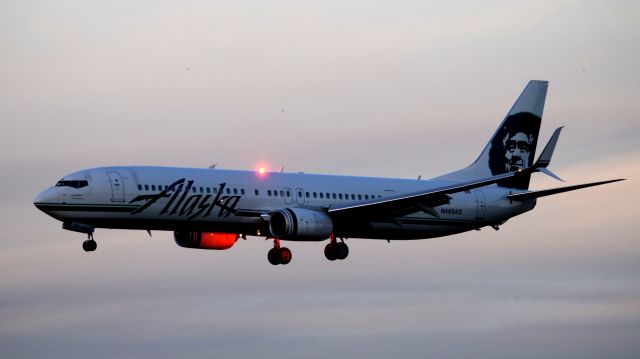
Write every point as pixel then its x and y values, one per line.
pixel 205 240
pixel 300 224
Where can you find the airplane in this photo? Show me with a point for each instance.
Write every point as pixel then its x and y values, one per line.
pixel 210 208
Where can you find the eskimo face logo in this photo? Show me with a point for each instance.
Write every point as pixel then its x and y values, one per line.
pixel 181 203
pixel 517 151
pixel 513 147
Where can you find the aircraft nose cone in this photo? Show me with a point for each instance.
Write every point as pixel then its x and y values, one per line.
pixel 48 196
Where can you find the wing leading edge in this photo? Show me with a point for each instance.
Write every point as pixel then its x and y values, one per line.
pixel 548 192
pixel 417 201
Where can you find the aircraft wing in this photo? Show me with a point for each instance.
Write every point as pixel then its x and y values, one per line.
pixel 548 192
pixel 417 201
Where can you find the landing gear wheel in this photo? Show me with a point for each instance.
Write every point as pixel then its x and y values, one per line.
pixel 341 250
pixel 89 245
pixel 330 252
pixel 273 256
pixel 285 255
pixel 336 250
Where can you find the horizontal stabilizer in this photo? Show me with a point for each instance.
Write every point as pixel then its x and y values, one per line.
pixel 548 192
pixel 549 173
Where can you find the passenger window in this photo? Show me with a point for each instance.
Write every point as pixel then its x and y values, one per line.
pixel 269 193
pixel 214 190
pixel 307 195
pixel 366 196
pixel 315 195
pixel 281 193
pixel 228 190
pixel 353 196
pixel 153 187
pixel 140 187
pixel 208 189
pixel 235 191
pixel 256 192
pixel 288 194
pixel 299 194
pixel 146 187
pixel 321 195
pixel 334 195
pixel 359 197
pixel 241 190
pixel 340 195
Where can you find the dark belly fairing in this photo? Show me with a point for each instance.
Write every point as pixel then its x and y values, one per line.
pixel 393 231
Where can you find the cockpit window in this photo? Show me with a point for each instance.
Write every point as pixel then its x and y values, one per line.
pixel 72 184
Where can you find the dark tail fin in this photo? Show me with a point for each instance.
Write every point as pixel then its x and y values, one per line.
pixel 513 145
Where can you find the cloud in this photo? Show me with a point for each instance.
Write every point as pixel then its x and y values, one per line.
pixel 376 89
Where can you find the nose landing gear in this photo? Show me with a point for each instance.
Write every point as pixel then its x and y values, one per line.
pixel 89 245
pixel 336 250
pixel 279 255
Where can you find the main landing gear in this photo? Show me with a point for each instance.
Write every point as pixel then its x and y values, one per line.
pixel 336 250
pixel 279 255
pixel 89 245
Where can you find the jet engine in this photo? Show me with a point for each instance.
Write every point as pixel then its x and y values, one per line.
pixel 300 224
pixel 205 240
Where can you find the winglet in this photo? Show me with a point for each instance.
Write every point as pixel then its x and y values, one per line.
pixel 545 157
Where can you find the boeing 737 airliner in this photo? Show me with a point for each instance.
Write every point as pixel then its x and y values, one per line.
pixel 212 208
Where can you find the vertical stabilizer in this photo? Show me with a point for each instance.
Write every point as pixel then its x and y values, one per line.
pixel 513 145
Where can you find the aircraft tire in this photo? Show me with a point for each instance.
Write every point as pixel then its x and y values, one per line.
pixel 330 252
pixel 284 255
pixel 89 245
pixel 273 256
pixel 341 250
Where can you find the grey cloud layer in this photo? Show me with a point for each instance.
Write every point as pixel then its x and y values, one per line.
pixel 384 89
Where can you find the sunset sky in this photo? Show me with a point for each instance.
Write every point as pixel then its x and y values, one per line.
pixel 372 88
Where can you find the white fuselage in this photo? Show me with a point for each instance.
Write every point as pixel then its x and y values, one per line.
pixel 215 200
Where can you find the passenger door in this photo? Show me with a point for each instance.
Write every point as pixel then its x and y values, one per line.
pixel 117 186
